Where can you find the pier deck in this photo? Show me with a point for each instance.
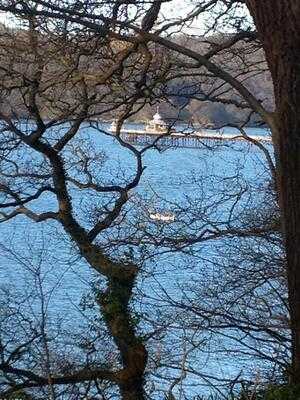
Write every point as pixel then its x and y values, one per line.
pixel 195 139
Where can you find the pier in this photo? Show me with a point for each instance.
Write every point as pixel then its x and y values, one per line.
pixel 191 140
pixel 158 131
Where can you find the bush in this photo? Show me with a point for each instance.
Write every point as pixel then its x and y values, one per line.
pixel 275 392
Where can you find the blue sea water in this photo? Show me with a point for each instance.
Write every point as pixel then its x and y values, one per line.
pixel 38 260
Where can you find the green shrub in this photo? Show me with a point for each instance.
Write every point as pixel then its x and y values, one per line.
pixel 275 392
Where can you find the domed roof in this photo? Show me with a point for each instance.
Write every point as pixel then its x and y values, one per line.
pixel 157 118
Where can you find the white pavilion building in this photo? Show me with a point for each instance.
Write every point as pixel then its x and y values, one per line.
pixel 157 124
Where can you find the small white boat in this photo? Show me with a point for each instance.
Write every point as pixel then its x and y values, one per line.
pixel 163 217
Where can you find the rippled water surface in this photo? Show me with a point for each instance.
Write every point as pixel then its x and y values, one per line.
pixel 171 174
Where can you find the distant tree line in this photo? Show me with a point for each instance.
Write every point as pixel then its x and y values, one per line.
pixel 185 100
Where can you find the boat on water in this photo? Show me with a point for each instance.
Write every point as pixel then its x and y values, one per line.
pixel 162 216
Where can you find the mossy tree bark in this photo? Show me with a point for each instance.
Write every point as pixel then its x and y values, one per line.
pixel 114 304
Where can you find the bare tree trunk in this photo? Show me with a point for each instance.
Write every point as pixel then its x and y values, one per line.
pixel 114 301
pixel 133 391
pixel 278 24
